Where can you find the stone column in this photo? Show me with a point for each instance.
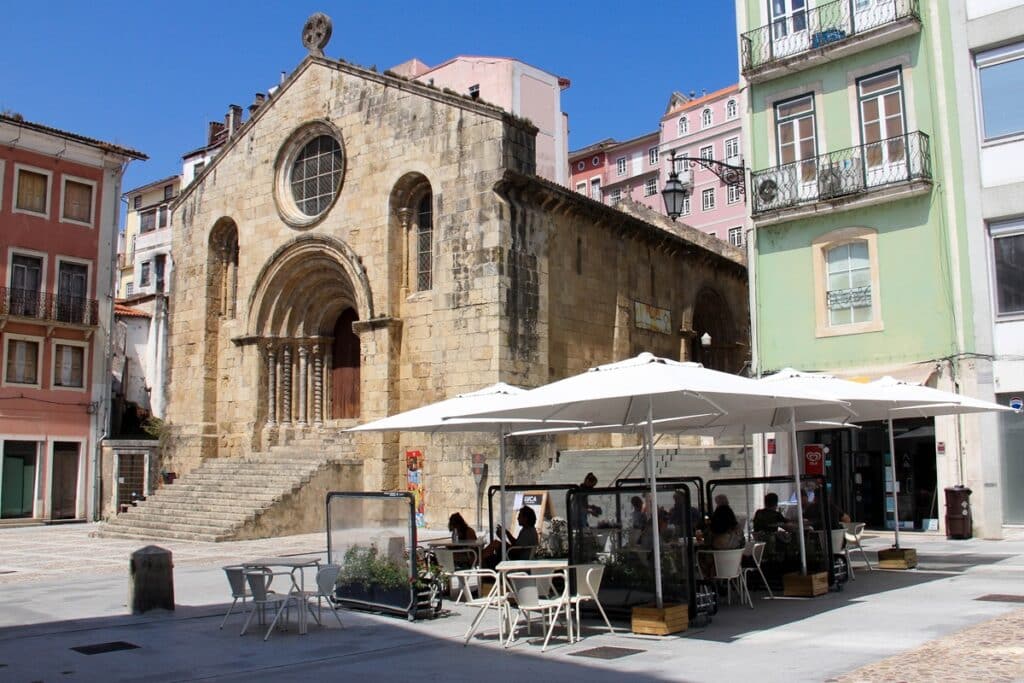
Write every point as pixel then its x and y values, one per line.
pixel 286 385
pixel 271 384
pixel 303 382
pixel 232 287
pixel 318 386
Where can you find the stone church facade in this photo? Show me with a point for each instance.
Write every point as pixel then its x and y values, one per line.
pixel 366 244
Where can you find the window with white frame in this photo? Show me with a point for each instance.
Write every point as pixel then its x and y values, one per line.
pixel 168 191
pixel 581 188
pixel 614 195
pixel 129 288
pixel 1008 266
pixel 595 189
pixel 620 166
pixel 147 221
pixel 736 237
pixel 137 202
pixel 705 118
pixel 144 276
pixel 652 156
pixel 77 203
pixel 732 149
pixel 1000 82
pixel 733 194
pixel 686 206
pixel 163 212
pixel 69 365
pixel 707 152
pixel 684 125
pixel 707 199
pixel 21 360
pixel 651 187
pixel 731 110
pixel 32 191
pixel 846 278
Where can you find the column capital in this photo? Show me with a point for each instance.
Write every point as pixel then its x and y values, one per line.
pixel 303 350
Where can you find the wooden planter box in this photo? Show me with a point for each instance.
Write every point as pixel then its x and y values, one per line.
pixel 897 558
pixel 797 585
pixel 651 621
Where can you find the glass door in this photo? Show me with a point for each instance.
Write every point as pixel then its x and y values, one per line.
pixel 789 27
pixel 883 128
pixel 26 283
pixel 17 493
pixel 797 148
pixel 71 291
pixel 868 14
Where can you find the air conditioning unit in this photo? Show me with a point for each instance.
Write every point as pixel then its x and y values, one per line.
pixel 775 190
pixel 840 178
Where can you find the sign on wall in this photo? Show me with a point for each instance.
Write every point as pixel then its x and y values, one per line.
pixel 537 500
pixel 414 485
pixel 814 458
pixel 647 317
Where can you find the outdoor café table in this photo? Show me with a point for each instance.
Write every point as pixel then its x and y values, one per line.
pixel 294 565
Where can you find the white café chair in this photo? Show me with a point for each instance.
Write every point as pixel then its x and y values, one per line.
pixel 854 531
pixel 728 568
pixel 839 548
pixel 527 590
pixel 326 579
pixel 755 550
pixel 491 598
pixel 446 560
pixel 588 584
pixel 239 590
pixel 259 585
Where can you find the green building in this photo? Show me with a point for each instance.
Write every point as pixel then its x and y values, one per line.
pixel 858 263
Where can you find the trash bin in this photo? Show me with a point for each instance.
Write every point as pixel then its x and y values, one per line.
pixel 958 512
pixel 151 573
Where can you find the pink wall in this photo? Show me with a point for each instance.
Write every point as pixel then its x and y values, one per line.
pixel 724 216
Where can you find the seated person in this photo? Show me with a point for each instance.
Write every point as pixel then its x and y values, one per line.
pixel 637 518
pixel 679 512
pixel 461 531
pixel 813 512
pixel 768 519
pixel 724 532
pixel 527 538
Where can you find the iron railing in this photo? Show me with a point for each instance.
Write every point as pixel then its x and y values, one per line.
pixel 44 306
pixel 845 172
pixel 806 30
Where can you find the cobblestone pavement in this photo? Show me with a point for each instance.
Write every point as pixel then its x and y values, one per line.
pixel 992 651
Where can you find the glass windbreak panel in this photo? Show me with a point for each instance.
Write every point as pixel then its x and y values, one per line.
pixel 619 537
pixel 1001 80
pixel 373 538
pixel 549 506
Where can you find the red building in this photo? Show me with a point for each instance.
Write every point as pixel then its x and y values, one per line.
pixel 59 205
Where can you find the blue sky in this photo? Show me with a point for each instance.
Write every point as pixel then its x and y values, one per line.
pixel 150 75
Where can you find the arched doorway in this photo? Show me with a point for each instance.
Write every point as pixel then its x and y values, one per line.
pixel 345 367
pixel 713 343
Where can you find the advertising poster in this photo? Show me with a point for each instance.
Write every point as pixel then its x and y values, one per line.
pixel 414 467
pixel 814 458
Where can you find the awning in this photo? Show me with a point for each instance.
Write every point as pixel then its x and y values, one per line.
pixel 916 373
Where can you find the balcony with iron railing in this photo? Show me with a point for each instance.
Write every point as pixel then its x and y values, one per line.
pixel 855 176
pixel 826 32
pixel 48 308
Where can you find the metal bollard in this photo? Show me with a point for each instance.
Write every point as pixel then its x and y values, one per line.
pixel 151 584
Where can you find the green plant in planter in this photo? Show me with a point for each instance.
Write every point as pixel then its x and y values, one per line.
pixel 364 566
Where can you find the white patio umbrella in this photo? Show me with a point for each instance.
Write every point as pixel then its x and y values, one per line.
pixel 922 401
pixel 637 392
pixel 430 419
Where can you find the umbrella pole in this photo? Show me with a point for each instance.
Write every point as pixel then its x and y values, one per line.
pixel 895 489
pixel 656 534
pixel 501 487
pixel 796 478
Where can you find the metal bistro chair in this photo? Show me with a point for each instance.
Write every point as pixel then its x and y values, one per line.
pixel 728 569
pixel 527 590
pixel 326 578
pixel 854 531
pixel 588 584
pixel 259 584
pixel 755 550
pixel 239 591
pixel 446 560
pixel 492 599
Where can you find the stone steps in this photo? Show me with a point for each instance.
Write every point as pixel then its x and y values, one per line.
pixel 221 497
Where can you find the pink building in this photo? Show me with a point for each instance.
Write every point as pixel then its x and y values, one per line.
pixel 59 202
pixel 609 171
pixel 514 86
pixel 708 126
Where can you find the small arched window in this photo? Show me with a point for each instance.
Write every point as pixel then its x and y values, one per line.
pixel 731 110
pixel 425 243
pixel 684 125
pixel 705 118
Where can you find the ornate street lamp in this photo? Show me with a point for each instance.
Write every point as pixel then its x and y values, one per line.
pixel 675 191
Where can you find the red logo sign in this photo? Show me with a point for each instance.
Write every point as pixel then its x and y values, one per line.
pixel 814 458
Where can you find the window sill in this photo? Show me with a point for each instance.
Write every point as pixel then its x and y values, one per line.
pixel 845 330
pixel 1007 139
